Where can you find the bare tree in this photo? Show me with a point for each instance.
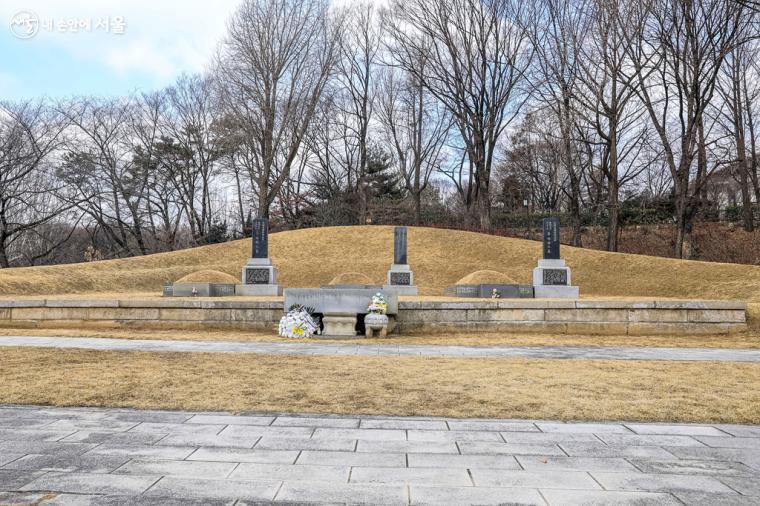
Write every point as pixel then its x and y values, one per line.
pixel 416 125
pixel 677 49
pixel 355 79
pixel 607 98
pixel 271 70
pixel 476 54
pixel 740 94
pixel 30 194
pixel 190 127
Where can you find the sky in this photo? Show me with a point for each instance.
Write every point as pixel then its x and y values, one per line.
pixel 119 46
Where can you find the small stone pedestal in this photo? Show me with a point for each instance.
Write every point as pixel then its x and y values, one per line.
pixel 340 325
pixel 375 322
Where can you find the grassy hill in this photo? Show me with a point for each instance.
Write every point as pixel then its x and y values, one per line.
pixel 438 257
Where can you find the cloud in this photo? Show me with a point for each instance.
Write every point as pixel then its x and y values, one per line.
pixel 162 38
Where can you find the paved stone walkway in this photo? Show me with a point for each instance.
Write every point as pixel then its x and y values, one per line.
pixel 79 456
pixel 300 348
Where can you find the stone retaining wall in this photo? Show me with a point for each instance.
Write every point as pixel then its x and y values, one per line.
pixel 611 317
pixel 526 315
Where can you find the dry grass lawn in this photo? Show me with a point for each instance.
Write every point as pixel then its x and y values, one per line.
pixel 744 340
pixel 505 388
pixel 312 257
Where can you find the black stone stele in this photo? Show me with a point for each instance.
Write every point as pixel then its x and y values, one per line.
pixel 551 238
pixel 399 246
pixel 260 238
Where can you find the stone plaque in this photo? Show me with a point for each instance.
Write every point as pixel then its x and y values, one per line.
pixel 222 290
pixel 260 238
pixel 256 276
pixel 555 277
pixel 551 239
pixel 399 248
pixel 401 278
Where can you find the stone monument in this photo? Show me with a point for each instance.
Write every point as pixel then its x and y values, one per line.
pixel 552 277
pixel 400 277
pixel 259 275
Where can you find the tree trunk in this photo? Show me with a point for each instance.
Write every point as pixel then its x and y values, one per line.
pixel 484 207
pixel 614 215
pixel 417 208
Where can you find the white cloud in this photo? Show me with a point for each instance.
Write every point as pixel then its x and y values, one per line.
pixel 162 38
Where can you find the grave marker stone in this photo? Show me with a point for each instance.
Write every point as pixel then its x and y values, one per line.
pixel 400 276
pixel 552 277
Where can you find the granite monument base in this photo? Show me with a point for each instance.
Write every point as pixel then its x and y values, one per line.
pixel 553 279
pixel 258 290
pixel 401 280
pixel 259 278
pixel 556 292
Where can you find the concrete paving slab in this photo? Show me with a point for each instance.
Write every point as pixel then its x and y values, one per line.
pixel 747 485
pixel 352 459
pixel 599 449
pixel 297 421
pixel 93 436
pixel 361 434
pixel 13 480
pixel 730 442
pixel 454 435
pixel 534 479
pixel 483 425
pixel 484 448
pixel 9 457
pixel 366 446
pixel 659 482
pixel 703 499
pixel 583 428
pixel 194 488
pixel 419 475
pixel 44 447
pixel 69 463
pixel 281 443
pixel 244 455
pixel 482 496
pixel 183 468
pixel 462 461
pixel 540 463
pixel 653 440
pixel 319 492
pixel 593 498
pixel 681 430
pixel 247 471
pixel 411 425
pixel 144 451
pixel 230 420
pixel 691 467
pixel 84 483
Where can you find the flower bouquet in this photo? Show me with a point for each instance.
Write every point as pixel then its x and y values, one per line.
pixel 298 323
pixel 378 305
